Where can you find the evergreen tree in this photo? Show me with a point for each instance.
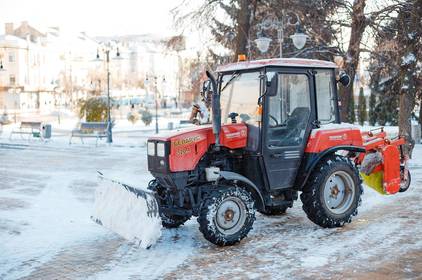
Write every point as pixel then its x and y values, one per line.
pixel 234 24
pixel 362 115
pixel 351 110
pixel 395 66
pixel 386 109
pixel 381 112
pixel 372 114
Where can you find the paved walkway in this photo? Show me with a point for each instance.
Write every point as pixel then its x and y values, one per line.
pixel 46 193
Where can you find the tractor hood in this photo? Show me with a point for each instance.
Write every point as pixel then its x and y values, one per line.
pixel 187 146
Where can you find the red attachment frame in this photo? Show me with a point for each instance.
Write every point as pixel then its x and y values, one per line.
pixel 392 154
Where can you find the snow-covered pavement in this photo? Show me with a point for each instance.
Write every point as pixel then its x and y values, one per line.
pixel 46 199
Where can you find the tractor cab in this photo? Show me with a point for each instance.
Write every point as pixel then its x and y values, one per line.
pixel 280 101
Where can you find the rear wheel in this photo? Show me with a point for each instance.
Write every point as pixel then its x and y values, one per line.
pixel 333 193
pixel 226 216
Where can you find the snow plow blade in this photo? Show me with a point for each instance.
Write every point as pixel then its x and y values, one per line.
pixel 130 212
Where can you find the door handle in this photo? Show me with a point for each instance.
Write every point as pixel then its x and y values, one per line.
pixel 276 155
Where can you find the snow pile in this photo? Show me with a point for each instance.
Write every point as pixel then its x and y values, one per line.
pixel 131 213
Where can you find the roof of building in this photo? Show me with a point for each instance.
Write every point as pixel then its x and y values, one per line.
pixel 12 41
pixel 285 62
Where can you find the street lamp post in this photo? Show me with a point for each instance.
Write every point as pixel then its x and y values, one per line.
pixel 272 22
pixel 57 92
pixel 109 132
pixel 3 70
pixel 156 105
pixel 106 51
pixel 155 98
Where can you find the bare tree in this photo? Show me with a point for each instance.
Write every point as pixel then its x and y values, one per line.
pixel 355 18
pixel 231 32
pixel 352 55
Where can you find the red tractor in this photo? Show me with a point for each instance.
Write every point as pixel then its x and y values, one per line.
pixel 275 133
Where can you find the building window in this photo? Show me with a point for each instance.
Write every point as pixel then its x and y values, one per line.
pixel 12 80
pixel 11 57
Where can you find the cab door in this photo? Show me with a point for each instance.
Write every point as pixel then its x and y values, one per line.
pixel 287 123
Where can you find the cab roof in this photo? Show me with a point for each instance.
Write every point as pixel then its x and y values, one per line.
pixel 284 62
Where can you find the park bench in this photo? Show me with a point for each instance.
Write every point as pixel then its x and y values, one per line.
pixel 32 129
pixel 97 130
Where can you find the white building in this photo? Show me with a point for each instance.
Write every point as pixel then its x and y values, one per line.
pixel 23 75
pixel 43 70
pixel 145 62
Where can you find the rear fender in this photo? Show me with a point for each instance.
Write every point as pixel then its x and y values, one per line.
pixel 312 159
pixel 247 184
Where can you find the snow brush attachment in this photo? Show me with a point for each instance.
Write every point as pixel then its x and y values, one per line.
pixel 384 169
pixel 130 212
pixel 371 171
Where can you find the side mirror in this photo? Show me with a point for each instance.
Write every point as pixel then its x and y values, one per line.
pixel 272 86
pixel 344 79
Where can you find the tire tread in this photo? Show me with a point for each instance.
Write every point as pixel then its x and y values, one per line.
pixel 313 207
pixel 207 227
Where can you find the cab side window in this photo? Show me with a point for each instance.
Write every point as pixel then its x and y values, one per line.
pixel 289 111
pixel 324 81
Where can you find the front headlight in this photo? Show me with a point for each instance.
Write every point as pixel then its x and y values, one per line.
pixel 151 148
pixel 160 150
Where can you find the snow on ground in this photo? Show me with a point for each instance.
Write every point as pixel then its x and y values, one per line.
pixel 46 200
pixel 124 133
pixel 46 197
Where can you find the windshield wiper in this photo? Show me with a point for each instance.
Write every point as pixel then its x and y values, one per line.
pixel 234 76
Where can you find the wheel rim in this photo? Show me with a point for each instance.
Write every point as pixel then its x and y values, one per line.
pixel 231 215
pixel 339 192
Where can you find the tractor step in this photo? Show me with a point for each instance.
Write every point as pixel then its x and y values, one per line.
pixel 278 201
pixel 176 211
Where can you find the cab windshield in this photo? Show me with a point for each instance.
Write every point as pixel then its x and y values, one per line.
pixel 240 93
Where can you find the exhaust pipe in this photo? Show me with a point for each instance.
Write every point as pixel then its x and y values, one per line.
pixel 216 110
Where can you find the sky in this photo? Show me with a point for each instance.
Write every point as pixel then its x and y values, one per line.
pixel 105 17
pixel 95 17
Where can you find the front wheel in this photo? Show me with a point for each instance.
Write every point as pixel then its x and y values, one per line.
pixel 333 192
pixel 226 216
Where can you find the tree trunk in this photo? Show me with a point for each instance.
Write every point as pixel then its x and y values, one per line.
pixel 407 104
pixel 244 19
pixel 410 21
pixel 351 61
pixel 420 114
